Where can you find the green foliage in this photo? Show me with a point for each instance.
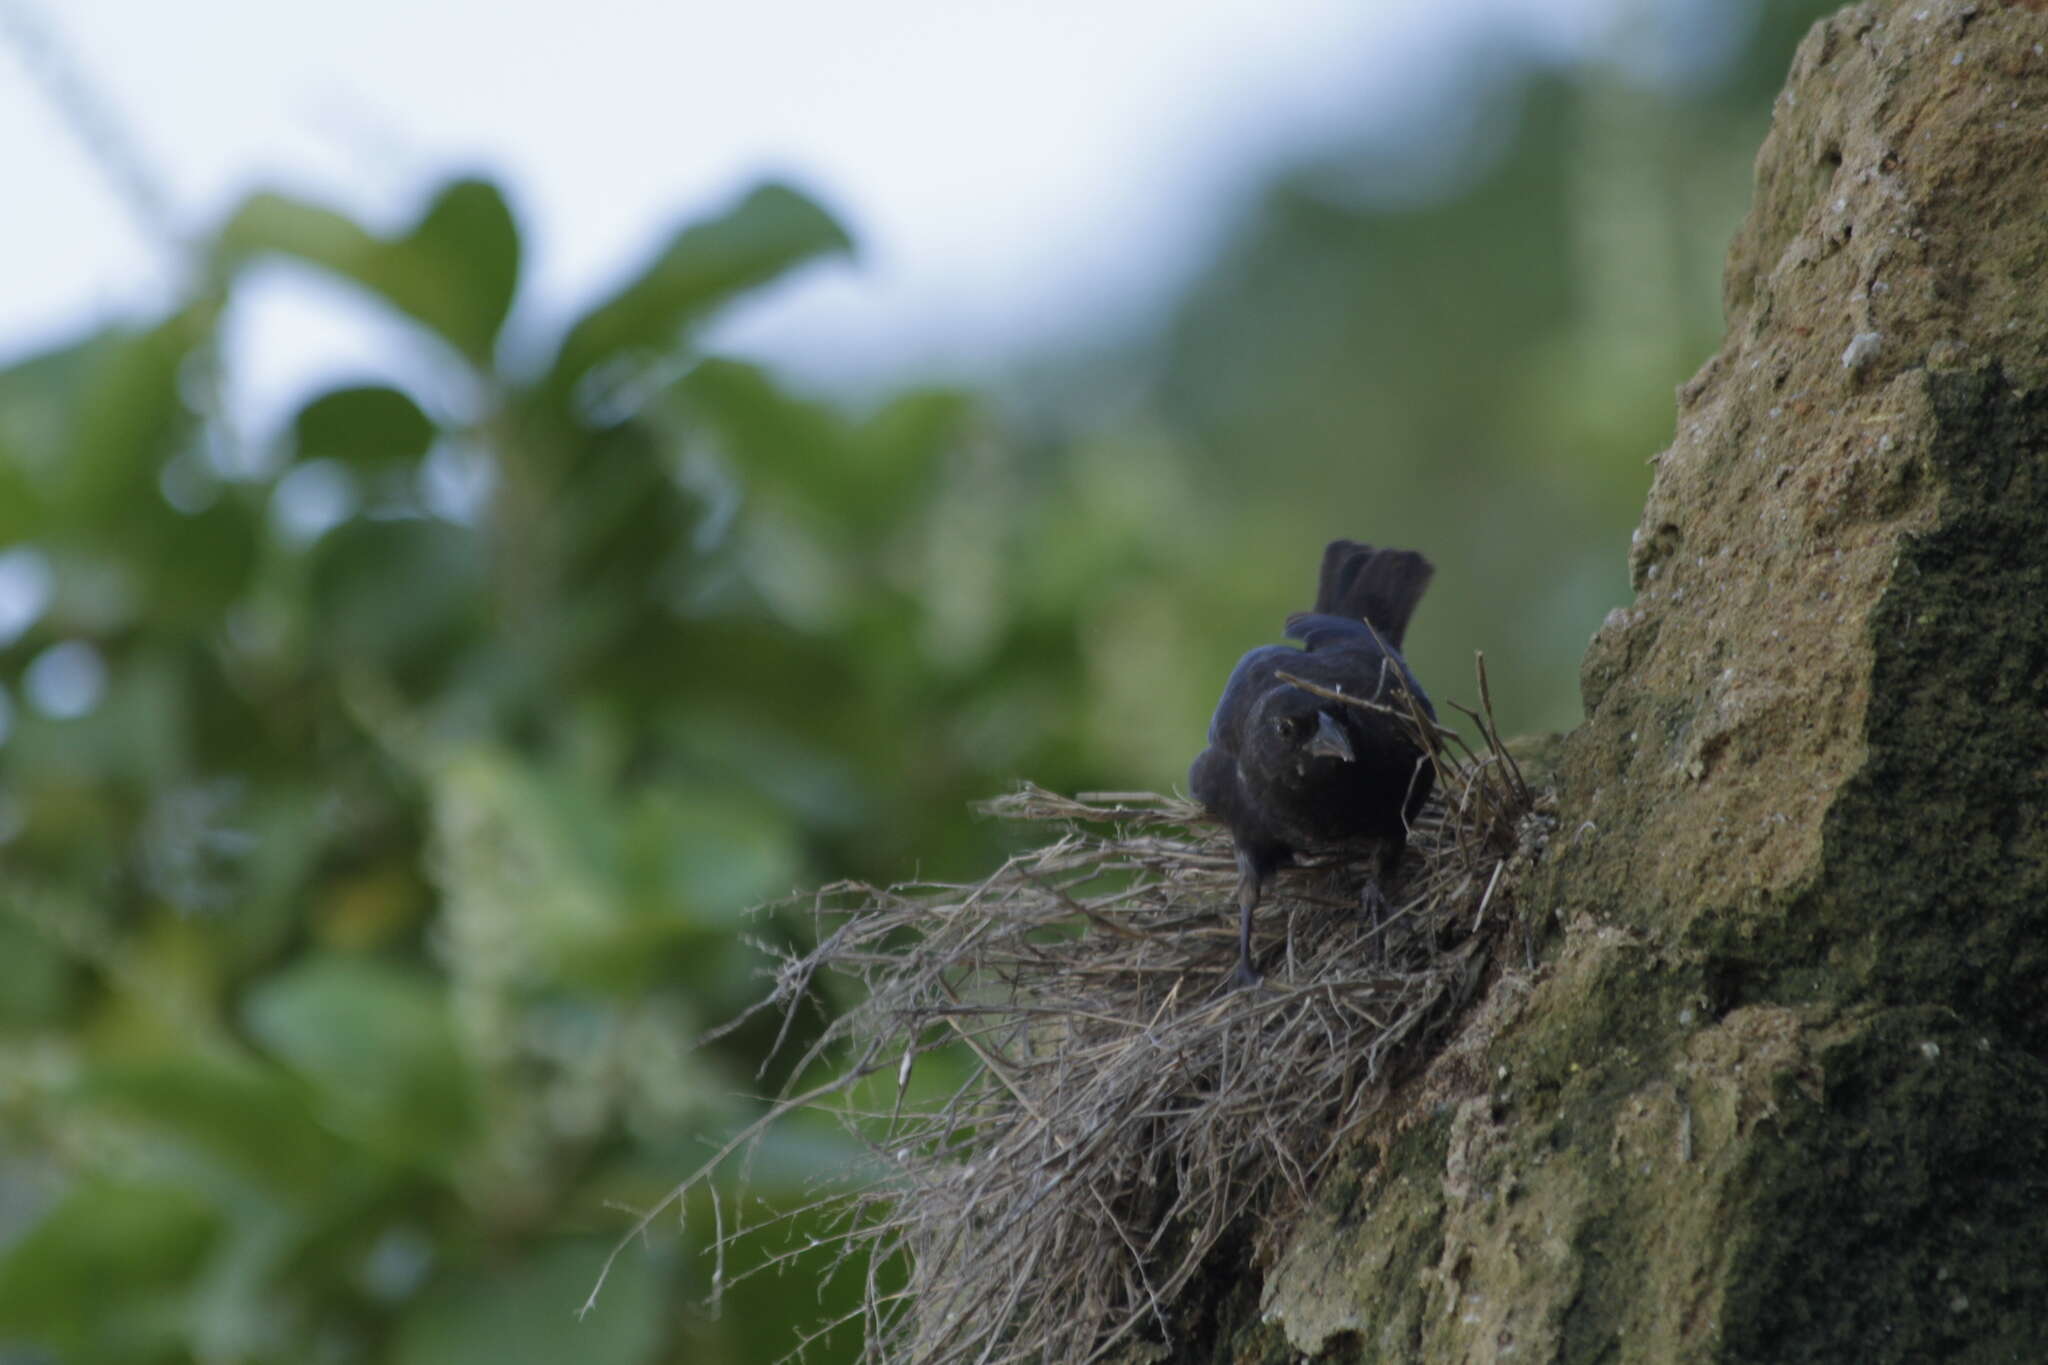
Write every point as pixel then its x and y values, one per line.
pixel 135 1245
pixel 355 937
pixel 510 1314
pixel 375 1043
pixel 454 273
pixel 708 264
pixel 372 423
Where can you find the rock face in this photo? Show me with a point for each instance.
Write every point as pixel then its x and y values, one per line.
pixel 1779 1090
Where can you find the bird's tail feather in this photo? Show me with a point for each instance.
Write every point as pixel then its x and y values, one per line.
pixel 1380 587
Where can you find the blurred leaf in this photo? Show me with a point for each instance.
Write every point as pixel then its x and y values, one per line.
pixel 626 528
pixel 99 1278
pixel 849 480
pixel 193 566
pixel 747 750
pixel 276 837
pixel 85 435
pixel 525 1313
pixel 22 514
pixel 773 230
pixel 130 415
pixel 243 1305
pixel 134 735
pixel 770 436
pixel 39 409
pixel 378 1045
pixel 174 979
pixel 367 425
pixel 36 976
pixel 911 432
pixel 267 222
pixel 707 854
pixel 531 868
pixel 39 399
pixel 86 427
pixel 469 235
pixel 455 272
pixel 369 909
pixel 398 592
pixel 254 1120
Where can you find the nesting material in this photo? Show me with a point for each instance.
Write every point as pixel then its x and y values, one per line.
pixel 1123 1114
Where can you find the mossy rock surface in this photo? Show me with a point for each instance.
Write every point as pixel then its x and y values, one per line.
pixel 1776 1091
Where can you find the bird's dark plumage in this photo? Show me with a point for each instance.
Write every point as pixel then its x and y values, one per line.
pixel 1290 771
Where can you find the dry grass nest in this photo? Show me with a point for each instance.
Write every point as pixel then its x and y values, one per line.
pixel 1121 1118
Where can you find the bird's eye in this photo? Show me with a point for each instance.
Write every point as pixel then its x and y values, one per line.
pixel 1287 726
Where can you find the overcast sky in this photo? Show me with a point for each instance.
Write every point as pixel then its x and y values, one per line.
pixel 1012 171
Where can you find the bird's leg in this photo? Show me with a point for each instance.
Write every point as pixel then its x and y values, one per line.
pixel 1373 909
pixel 1248 879
pixel 1374 903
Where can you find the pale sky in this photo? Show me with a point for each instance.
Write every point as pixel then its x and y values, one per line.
pixel 1013 172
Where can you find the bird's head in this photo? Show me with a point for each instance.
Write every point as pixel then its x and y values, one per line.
pixel 1294 730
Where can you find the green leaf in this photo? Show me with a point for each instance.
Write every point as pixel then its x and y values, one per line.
pixel 772 437
pixel 136 735
pixel 37 979
pixel 525 1312
pixel 397 593
pixel 911 433
pixel 455 272
pixel 709 854
pixel 773 230
pixel 370 424
pixel 43 402
pixel 275 223
pixel 39 406
pixel 850 480
pixel 469 236
pixel 132 413
pixel 99 1278
pixel 528 868
pixel 92 423
pixel 625 526
pixel 22 514
pixel 377 1043
pixel 85 434
pixel 193 566
pixel 250 1117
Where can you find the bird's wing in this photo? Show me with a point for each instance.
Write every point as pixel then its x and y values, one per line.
pixel 1213 782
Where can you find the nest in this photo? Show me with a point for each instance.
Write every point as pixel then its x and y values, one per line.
pixel 1125 1121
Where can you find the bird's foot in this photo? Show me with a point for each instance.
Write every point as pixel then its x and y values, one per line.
pixel 1244 978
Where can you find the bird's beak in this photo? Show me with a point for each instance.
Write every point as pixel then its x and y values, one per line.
pixel 1329 741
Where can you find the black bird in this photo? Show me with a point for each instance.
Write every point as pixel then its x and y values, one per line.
pixel 1288 770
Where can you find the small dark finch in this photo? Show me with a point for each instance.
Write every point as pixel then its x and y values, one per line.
pixel 1289 771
